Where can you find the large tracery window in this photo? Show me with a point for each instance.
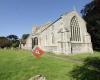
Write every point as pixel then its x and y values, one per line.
pixel 75 29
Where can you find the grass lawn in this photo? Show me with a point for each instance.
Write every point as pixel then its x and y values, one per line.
pixel 21 65
pixel 79 57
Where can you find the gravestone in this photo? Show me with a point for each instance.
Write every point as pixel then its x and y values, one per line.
pixel 38 77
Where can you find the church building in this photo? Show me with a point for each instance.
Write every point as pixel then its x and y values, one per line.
pixel 66 35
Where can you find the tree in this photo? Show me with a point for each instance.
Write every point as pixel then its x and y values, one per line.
pixel 91 14
pixel 25 36
pixel 12 37
pixel 4 42
pixel 14 40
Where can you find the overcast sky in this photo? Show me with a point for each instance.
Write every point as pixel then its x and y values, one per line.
pixel 18 16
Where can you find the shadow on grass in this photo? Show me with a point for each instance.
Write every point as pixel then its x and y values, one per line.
pixel 90 70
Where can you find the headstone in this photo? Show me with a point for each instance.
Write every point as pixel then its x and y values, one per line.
pixel 38 77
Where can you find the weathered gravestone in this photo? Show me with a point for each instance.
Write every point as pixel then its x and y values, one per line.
pixel 38 77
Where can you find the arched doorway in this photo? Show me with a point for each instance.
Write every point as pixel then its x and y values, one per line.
pixel 34 42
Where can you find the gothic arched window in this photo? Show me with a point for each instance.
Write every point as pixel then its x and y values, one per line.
pixel 75 29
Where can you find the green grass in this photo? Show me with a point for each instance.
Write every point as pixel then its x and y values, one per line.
pixel 85 55
pixel 21 65
pixel 79 57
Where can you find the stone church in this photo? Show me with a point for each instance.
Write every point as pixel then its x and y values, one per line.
pixel 67 35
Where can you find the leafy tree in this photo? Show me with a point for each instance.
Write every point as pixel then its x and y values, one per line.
pixel 14 40
pixel 12 37
pixel 16 44
pixel 4 42
pixel 25 36
pixel 91 13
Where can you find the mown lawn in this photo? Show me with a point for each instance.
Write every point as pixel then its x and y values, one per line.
pixel 79 57
pixel 21 65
